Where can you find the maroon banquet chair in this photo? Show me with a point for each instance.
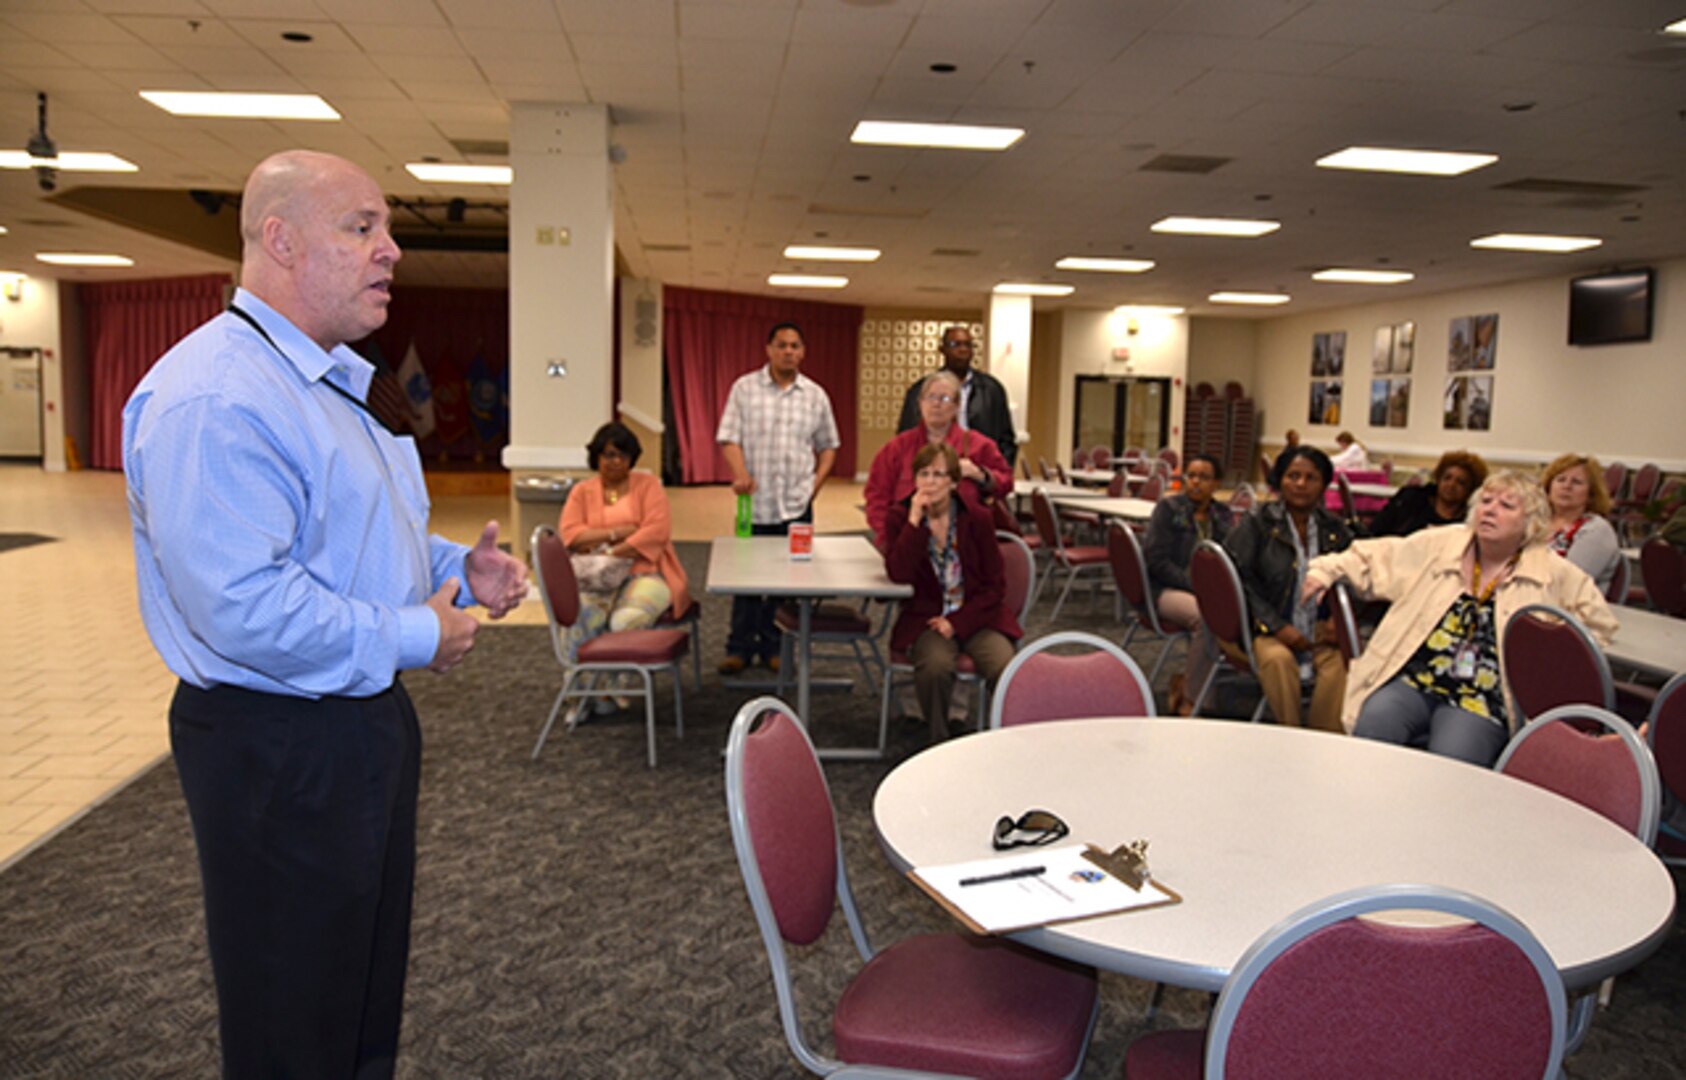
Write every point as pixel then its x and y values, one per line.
pixel 1129 570
pixel 641 652
pixel 1039 685
pixel 1550 659
pixel 1666 736
pixel 1223 609
pixel 945 1004
pixel 1664 569
pixel 1073 559
pixel 1327 993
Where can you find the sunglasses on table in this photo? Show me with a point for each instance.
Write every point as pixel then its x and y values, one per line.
pixel 1032 829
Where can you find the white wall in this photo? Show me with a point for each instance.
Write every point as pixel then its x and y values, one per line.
pixel 1619 402
pixel 33 319
pixel 1223 351
pixel 1088 338
pixel 641 355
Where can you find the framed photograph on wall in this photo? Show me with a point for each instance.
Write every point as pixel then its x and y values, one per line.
pixel 1378 402
pixel 1314 414
pixel 1484 342
pixel 1399 403
pixel 1404 347
pixel 1381 352
pixel 1478 403
pixel 1337 352
pixel 1459 346
pixel 1452 405
pixel 1319 355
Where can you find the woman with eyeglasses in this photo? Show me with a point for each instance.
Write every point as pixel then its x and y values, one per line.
pixel 622 513
pixel 984 473
pixel 941 542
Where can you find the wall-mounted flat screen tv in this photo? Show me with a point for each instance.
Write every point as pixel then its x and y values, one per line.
pixel 1606 309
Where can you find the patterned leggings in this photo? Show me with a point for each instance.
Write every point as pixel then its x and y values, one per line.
pixel 637 605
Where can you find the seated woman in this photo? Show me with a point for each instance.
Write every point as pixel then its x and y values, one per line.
pixel 1432 671
pixel 1179 522
pixel 1579 532
pixel 622 513
pixel 986 473
pixel 1271 548
pixel 1444 500
pixel 1351 454
pixel 941 542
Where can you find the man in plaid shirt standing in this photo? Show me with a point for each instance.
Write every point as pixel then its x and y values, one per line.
pixel 780 440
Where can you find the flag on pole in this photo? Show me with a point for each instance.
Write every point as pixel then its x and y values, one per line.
pixel 386 396
pixel 419 392
pixel 483 399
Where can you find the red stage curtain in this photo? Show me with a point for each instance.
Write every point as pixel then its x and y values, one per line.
pixel 126 327
pixel 712 338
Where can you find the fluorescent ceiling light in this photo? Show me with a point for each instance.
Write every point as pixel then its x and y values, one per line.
pixel 1417 162
pixel 1105 266
pixel 70 161
pixel 438 173
pixel 77 258
pixel 1364 277
pixel 833 254
pixel 1264 299
pixel 242 106
pixel 938 136
pixel 806 281
pixel 1199 226
pixel 1535 242
pixel 1678 26
pixel 1163 311
pixel 4 230
pixel 1031 288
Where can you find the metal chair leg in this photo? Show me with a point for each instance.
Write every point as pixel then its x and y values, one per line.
pixel 561 696
pixel 649 713
pixel 678 700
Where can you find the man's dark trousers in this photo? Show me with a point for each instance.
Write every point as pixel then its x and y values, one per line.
pixel 754 635
pixel 304 813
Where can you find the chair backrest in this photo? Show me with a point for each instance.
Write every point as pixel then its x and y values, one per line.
pixel 1664 568
pixel 1243 499
pixel 1170 457
pixel 1616 591
pixel 1343 497
pixel 1080 459
pixel 1047 527
pixel 1002 518
pixel 1047 473
pixel 1151 488
pixel 1264 468
pixel 1645 482
pixel 1609 770
pixel 553 568
pixel 1039 685
pixel 1115 487
pixel 1129 571
pixel 1666 736
pixel 1101 457
pixel 1218 591
pixel 1346 622
pixel 1615 475
pixel 1019 568
pixel 1024 466
pixel 785 833
pixel 1550 659
pixel 1326 993
pixel 1059 473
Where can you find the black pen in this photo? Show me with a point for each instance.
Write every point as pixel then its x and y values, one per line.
pixel 1009 875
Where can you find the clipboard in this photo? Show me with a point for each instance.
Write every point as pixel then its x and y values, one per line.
pixel 1031 889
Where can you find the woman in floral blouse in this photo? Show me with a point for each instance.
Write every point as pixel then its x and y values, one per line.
pixel 1432 674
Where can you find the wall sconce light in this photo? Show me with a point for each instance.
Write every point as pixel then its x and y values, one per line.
pixel 12 286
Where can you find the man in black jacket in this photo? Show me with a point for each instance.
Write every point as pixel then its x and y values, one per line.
pixel 983 400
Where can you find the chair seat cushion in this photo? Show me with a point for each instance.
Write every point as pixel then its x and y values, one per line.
pixel 968 1006
pixel 963 664
pixel 827 619
pixel 1166 1055
pixel 635 647
pixel 1081 517
pixel 1086 555
pixel 693 614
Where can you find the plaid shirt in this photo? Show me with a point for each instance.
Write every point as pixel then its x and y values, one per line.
pixel 779 431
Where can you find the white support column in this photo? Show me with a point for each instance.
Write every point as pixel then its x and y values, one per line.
pixel 1009 353
pixel 561 283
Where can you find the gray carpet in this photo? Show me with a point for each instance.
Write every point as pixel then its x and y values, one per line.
pixel 581 916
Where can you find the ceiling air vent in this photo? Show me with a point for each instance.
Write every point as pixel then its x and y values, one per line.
pixel 482 147
pixel 666 247
pixel 1185 163
pixel 956 253
pixel 1535 185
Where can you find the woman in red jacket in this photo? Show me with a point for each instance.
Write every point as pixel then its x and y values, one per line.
pixel 943 544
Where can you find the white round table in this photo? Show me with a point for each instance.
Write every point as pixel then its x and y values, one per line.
pixel 1250 822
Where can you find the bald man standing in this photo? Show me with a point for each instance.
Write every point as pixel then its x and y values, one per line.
pixel 286 576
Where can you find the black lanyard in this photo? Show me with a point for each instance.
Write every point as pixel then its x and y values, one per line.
pixel 237 310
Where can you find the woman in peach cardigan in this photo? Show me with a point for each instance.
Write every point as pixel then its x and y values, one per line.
pixel 623 513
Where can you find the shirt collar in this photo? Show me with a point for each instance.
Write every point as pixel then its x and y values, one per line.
pixel 767 373
pixel 353 372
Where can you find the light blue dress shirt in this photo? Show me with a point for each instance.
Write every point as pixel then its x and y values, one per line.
pixel 281 538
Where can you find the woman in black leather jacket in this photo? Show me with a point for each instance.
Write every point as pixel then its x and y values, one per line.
pixel 1271 548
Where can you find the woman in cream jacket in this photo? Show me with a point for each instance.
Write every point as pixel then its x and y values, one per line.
pixel 1432 670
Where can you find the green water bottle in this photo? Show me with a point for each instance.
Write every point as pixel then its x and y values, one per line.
pixel 746 517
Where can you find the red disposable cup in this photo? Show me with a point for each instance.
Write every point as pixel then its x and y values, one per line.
pixel 802 541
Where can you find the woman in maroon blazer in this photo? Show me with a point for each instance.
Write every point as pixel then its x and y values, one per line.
pixel 943 544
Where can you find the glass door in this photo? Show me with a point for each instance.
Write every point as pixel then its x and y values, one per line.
pixel 1118 412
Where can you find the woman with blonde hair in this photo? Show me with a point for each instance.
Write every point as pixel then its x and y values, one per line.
pixel 1574 485
pixel 1432 672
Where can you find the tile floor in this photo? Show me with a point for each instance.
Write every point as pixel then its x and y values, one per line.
pixel 86 696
